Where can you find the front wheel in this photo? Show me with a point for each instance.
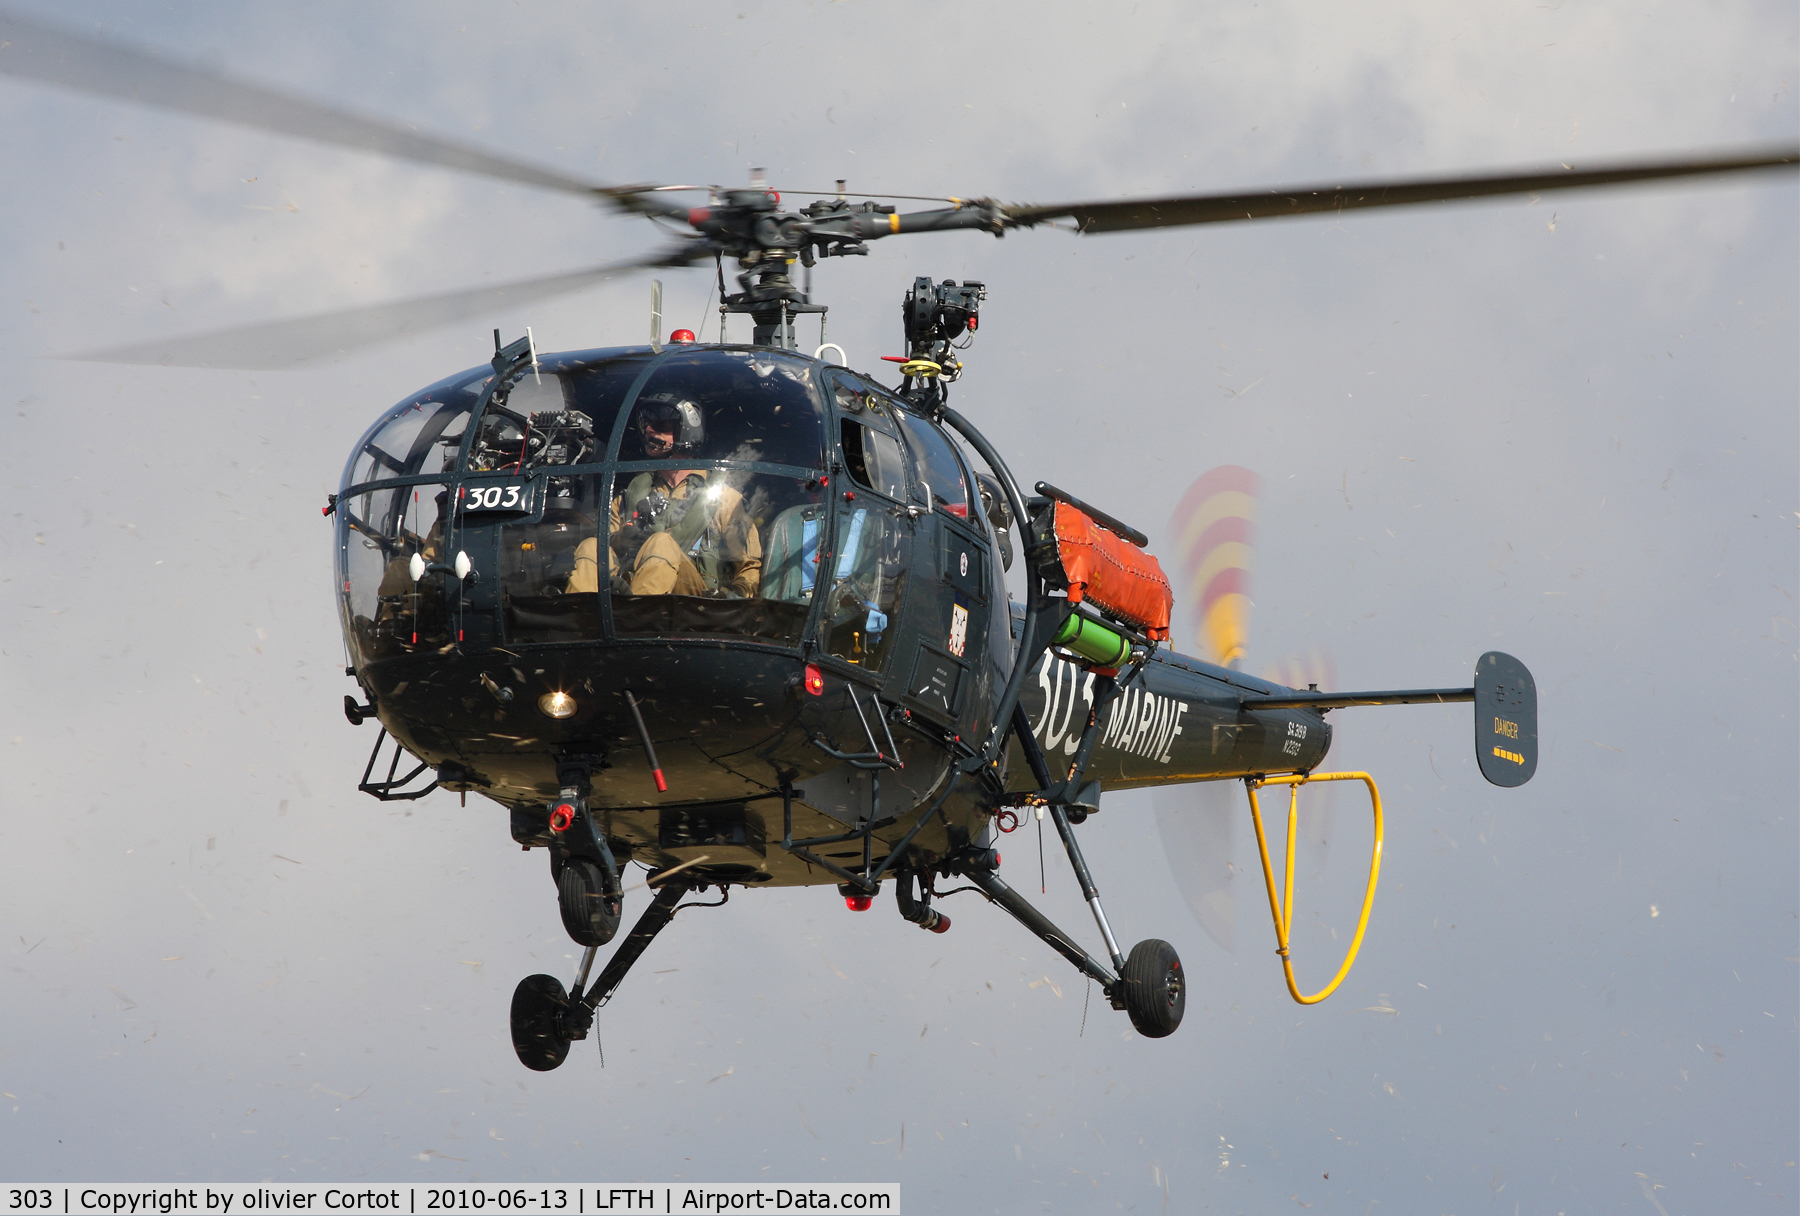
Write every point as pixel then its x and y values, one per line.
pixel 590 912
pixel 1155 991
pixel 537 1008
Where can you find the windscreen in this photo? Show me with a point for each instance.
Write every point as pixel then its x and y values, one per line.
pixel 728 405
pixel 420 436
pixel 549 419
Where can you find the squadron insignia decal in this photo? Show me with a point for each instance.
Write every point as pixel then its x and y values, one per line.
pixel 959 629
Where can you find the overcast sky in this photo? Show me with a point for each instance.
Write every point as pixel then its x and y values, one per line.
pixel 1567 430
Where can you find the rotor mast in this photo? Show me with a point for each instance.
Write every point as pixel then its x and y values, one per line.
pixel 751 226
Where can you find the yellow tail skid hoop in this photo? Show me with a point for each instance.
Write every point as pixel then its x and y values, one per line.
pixel 1282 906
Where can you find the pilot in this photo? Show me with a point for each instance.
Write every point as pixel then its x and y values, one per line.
pixel 675 531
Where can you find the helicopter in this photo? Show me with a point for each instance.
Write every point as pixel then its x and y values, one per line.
pixel 865 704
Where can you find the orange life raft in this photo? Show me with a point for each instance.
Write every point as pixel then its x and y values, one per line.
pixel 1123 579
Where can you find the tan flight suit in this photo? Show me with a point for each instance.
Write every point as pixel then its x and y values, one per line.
pixel 723 554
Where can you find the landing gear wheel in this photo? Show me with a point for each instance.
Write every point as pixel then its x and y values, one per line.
pixel 1155 990
pixel 589 911
pixel 537 1008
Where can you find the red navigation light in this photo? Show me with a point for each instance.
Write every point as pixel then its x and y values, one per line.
pixel 859 903
pixel 682 335
pixel 943 924
pixel 562 817
pixel 815 680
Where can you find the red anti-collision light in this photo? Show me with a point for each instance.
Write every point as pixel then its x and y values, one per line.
pixel 815 680
pixel 859 903
pixel 562 817
pixel 943 924
pixel 682 335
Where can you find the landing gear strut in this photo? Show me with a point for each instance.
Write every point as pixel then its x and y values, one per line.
pixel 546 1018
pixel 1149 984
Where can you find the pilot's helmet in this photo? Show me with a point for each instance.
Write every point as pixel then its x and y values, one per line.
pixel 675 415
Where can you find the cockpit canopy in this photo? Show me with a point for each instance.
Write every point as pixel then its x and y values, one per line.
pixel 609 493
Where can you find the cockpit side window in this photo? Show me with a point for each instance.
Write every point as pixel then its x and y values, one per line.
pixel 874 459
pixel 728 405
pixel 872 455
pixel 937 466
pixel 382 529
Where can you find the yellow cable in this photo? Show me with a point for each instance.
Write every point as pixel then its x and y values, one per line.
pixel 1281 907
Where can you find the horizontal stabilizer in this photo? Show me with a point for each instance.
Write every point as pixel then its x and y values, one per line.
pixel 1340 700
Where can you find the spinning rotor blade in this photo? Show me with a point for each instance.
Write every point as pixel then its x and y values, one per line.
pixel 1266 204
pixel 1214 531
pixel 90 65
pixel 279 344
pixel 1197 824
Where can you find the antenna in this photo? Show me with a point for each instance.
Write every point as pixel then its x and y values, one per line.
pixel 656 315
pixel 531 345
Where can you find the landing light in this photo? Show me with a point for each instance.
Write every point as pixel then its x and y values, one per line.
pixel 557 705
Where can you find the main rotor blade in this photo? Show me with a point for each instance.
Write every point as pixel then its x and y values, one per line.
pixel 278 344
pixel 1266 204
pixel 56 56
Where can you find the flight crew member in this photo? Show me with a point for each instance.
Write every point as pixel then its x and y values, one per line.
pixel 675 531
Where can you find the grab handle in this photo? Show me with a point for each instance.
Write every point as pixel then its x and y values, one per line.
pixel 1282 906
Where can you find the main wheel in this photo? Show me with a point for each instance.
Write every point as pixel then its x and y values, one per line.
pixel 1155 990
pixel 537 1007
pixel 589 912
